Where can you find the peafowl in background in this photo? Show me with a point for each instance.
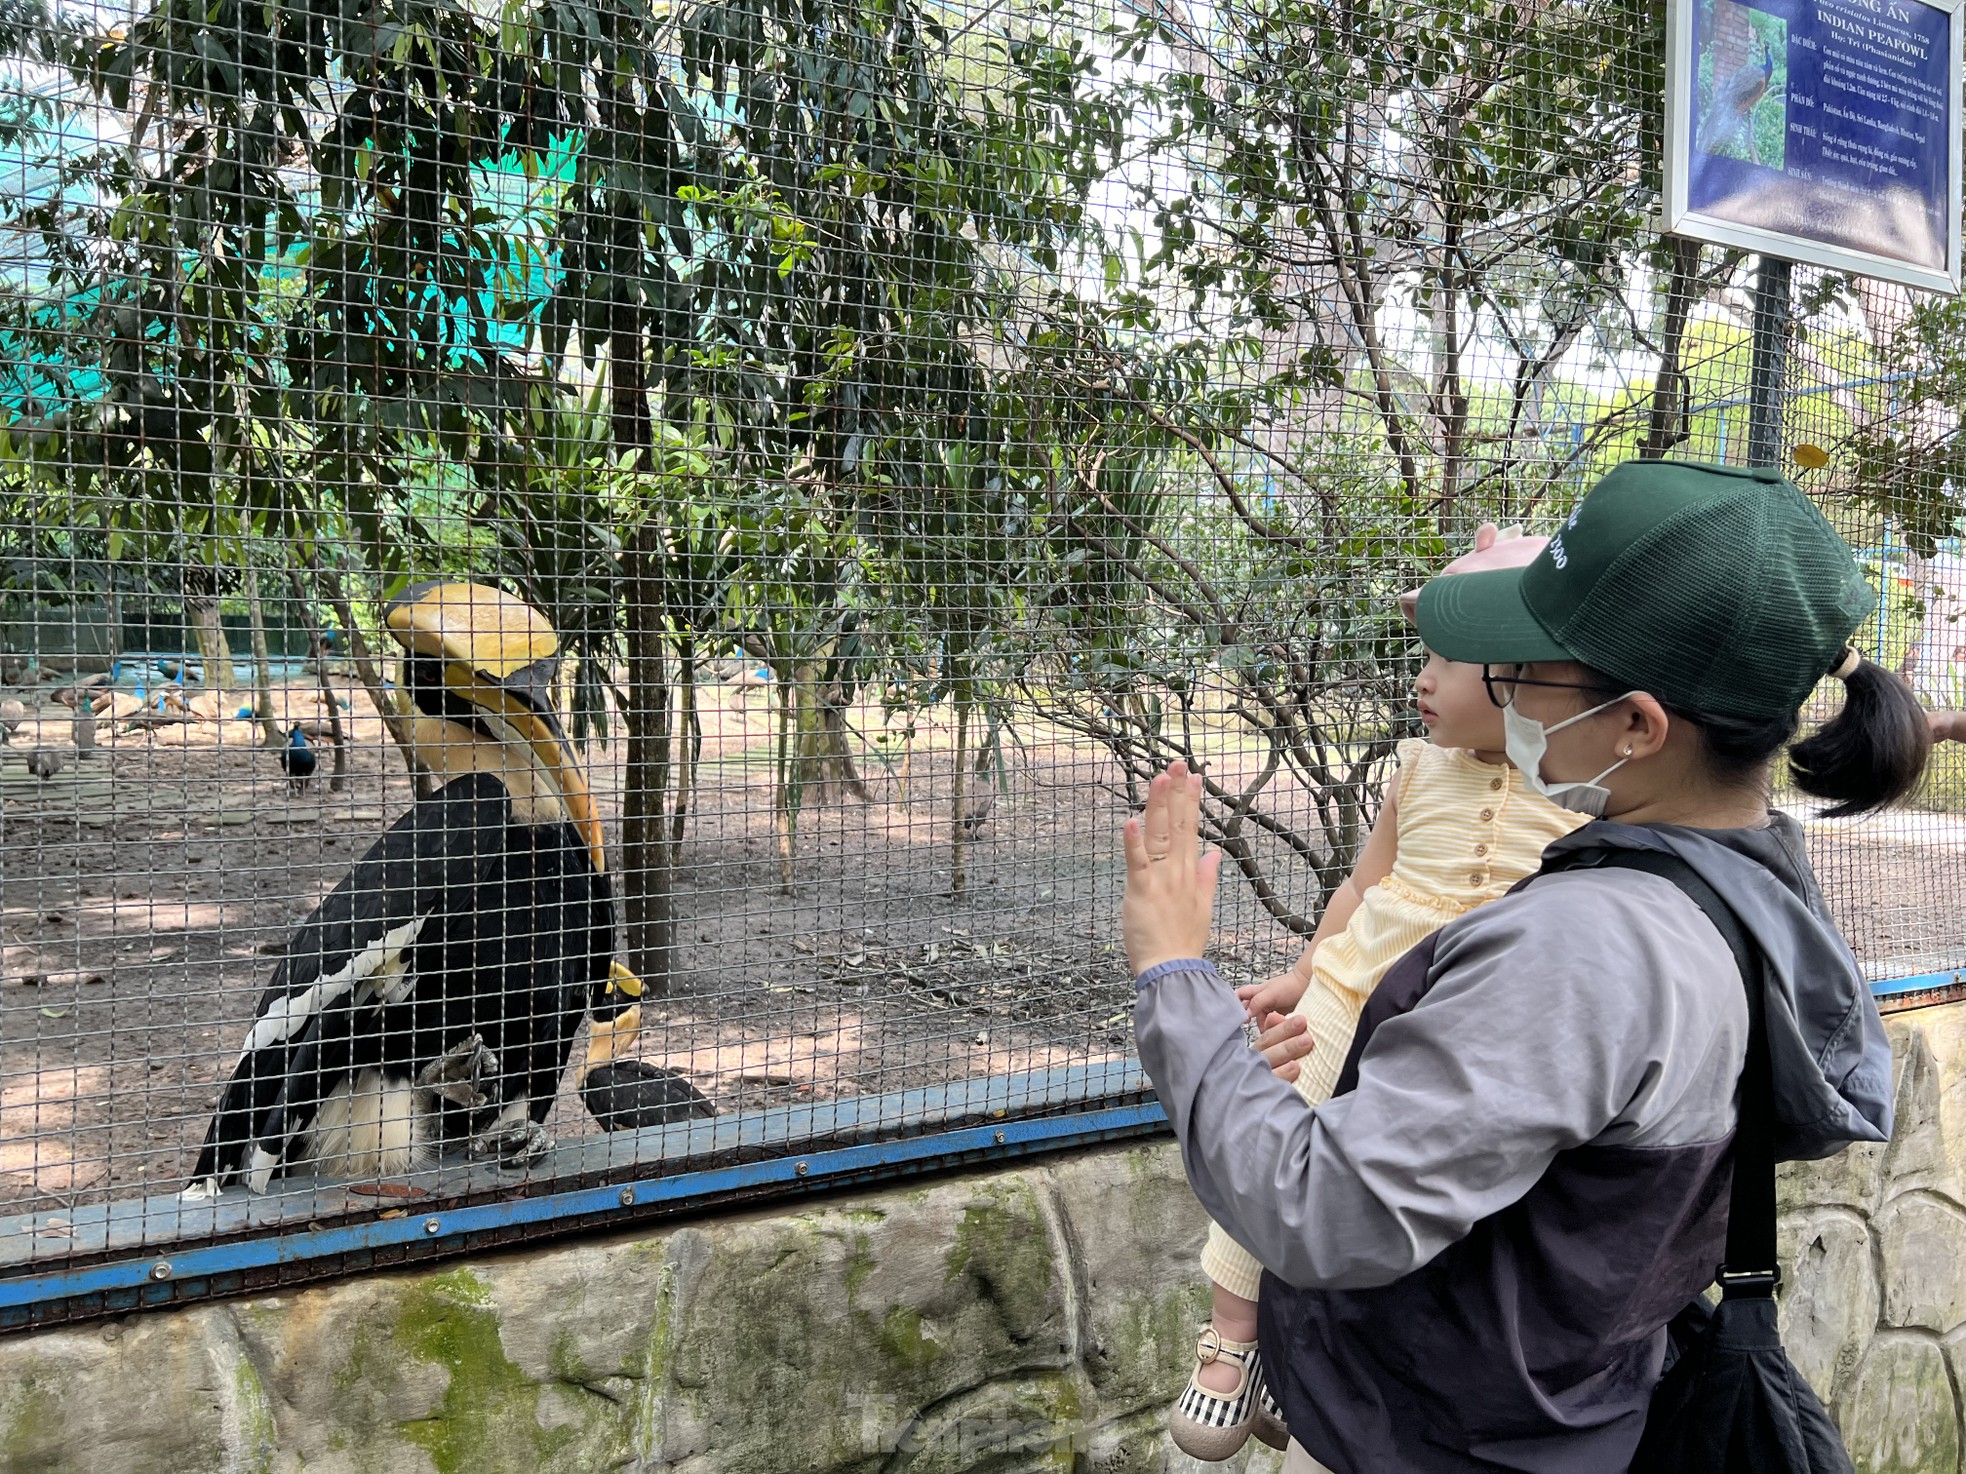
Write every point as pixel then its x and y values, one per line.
pixel 1731 111
pixel 299 761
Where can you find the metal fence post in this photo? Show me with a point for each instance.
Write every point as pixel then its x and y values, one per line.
pixel 1768 371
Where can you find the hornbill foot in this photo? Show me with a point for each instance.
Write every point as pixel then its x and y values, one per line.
pixel 455 1076
pixel 512 1144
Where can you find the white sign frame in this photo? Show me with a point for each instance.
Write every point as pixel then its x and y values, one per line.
pixel 1682 109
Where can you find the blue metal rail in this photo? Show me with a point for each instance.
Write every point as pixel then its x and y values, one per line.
pixel 130 1284
pixel 129 1255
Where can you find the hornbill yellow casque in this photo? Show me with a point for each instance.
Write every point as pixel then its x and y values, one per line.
pixel 433 997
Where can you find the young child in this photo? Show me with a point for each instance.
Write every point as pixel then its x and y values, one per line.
pixel 1458 828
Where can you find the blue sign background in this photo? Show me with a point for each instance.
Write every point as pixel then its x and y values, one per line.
pixel 1858 157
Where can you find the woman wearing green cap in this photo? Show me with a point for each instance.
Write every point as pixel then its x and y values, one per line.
pixel 1474 1248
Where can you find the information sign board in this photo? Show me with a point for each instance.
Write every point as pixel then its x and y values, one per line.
pixel 1825 131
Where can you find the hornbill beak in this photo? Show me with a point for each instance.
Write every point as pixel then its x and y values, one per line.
pixel 496 656
pixel 609 1036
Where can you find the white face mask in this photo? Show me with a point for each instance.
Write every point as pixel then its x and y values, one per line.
pixel 1526 740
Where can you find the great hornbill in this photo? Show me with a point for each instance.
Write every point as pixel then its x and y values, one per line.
pixel 433 997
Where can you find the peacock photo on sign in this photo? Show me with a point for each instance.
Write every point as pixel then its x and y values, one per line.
pixel 1743 84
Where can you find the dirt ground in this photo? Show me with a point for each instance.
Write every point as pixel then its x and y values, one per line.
pixel 148 888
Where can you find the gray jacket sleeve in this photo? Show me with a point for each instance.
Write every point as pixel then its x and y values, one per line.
pixel 1591 1007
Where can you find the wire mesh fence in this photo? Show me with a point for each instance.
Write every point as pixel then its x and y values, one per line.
pixel 587 585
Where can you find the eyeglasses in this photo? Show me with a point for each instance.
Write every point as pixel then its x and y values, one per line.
pixel 1500 681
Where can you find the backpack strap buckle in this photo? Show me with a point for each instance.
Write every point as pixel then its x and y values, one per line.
pixel 1736 1284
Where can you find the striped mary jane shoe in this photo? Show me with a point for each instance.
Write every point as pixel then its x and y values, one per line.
pixel 1269 1428
pixel 1212 1426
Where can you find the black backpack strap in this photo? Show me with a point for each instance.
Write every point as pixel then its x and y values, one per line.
pixel 1752 1266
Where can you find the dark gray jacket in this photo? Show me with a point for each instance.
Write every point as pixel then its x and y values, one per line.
pixel 1475 1249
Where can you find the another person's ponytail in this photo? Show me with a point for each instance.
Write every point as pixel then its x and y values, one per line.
pixel 1872 753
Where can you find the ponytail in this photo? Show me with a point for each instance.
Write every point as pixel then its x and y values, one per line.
pixel 1872 753
pixel 1868 756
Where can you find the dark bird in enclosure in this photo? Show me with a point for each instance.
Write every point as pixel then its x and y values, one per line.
pixel 298 761
pixel 45 762
pixel 13 668
pixel 152 718
pixel 1734 98
pixel 72 694
pixel 12 714
pixel 432 999
pixel 631 1093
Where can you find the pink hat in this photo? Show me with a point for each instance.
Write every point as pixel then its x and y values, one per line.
pixel 1494 547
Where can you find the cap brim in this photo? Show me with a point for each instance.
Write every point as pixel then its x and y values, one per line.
pixel 1482 619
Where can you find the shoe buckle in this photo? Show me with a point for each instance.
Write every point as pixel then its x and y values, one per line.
pixel 1208 1349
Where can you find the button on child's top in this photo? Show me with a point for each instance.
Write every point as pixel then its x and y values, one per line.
pixel 1443 794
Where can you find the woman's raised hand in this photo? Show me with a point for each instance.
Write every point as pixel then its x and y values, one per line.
pixel 1170 889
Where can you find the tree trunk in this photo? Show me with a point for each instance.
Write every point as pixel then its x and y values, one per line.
pixel 115 627
pixel 785 799
pixel 689 740
pixel 836 753
pixel 826 769
pixel 317 650
pixel 371 679
pixel 269 730
pixel 113 596
pixel 213 652
pixel 1668 422
pixel 958 828
pixel 648 848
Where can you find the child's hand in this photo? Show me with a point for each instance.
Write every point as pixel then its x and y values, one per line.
pixel 1284 1040
pixel 1280 994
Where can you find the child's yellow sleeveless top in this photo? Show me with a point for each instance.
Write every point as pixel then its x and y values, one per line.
pixel 1468 830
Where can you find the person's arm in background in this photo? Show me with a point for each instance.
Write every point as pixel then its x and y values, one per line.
pixel 1947 726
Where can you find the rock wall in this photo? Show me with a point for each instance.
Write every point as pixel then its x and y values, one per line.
pixel 1874 1254
pixel 1036 1319
pixel 1029 1319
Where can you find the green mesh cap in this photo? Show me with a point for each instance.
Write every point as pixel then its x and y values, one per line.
pixel 1716 589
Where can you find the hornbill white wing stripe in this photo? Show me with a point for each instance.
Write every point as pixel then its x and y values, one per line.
pixel 289 1015
pixel 260 1174
pixel 391 983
